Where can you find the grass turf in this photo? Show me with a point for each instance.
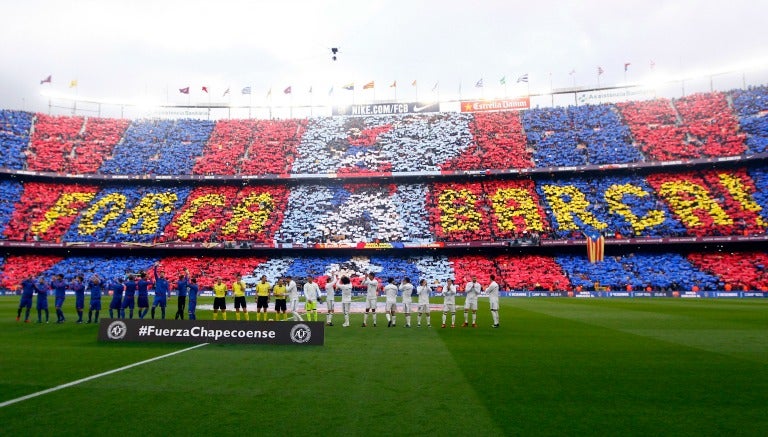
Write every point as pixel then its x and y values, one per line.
pixel 556 366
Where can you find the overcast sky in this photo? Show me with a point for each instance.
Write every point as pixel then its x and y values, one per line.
pixel 129 50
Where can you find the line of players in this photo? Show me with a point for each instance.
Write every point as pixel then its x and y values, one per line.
pixel 126 293
pixel 285 289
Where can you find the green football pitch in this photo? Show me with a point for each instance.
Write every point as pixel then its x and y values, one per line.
pixel 554 367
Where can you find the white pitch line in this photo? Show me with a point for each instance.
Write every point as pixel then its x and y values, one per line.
pixel 86 379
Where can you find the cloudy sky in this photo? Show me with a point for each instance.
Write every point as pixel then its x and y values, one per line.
pixel 146 50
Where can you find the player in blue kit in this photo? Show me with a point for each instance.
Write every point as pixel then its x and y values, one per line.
pixel 117 288
pixel 95 287
pixel 42 300
pixel 161 292
pixel 59 288
pixel 181 291
pixel 79 288
pixel 27 292
pixel 192 298
pixel 143 300
pixel 129 301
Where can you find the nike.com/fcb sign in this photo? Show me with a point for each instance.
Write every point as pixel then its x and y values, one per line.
pixel 496 105
pixel 211 331
pixel 387 108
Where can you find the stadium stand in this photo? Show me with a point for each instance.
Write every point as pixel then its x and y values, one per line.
pixel 552 204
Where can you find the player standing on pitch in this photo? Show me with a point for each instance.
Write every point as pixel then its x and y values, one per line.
pixel 129 301
pixel 372 285
pixel 238 290
pixel 219 299
pixel 449 302
pixel 424 290
pixel 59 288
pixel 192 299
pixel 181 293
pixel 406 289
pixel 94 286
pixel 279 290
pixel 27 292
pixel 161 292
pixel 42 300
pixel 79 288
pixel 390 306
pixel 493 297
pixel 311 292
pixel 142 287
pixel 262 297
pixel 293 294
pixel 330 293
pixel 471 290
pixel 346 298
pixel 117 288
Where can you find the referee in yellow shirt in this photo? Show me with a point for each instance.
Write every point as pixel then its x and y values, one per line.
pixel 238 290
pixel 279 290
pixel 262 297
pixel 219 299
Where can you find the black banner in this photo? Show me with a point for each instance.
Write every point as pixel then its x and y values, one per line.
pixel 211 331
pixel 387 108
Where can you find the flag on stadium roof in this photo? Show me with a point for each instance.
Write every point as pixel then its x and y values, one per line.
pixel 626 66
pixel 184 90
pixel 310 89
pixel 503 80
pixel 225 92
pixel 73 83
pixel 330 91
pixel 394 84
pixel 435 87
pixel 652 64
pixel 413 83
pixel 269 93
pixel 479 83
pixel 46 80
pixel 287 90
pixel 246 90
pixel 368 86
pixel 599 70
pixel 205 89
pixel 523 78
pixel 349 87
pixel 572 72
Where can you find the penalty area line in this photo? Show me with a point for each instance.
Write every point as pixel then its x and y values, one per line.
pixel 92 377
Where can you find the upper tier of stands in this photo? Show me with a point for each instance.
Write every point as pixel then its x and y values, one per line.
pixel 701 125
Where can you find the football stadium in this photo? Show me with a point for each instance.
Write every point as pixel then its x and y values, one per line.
pixel 326 247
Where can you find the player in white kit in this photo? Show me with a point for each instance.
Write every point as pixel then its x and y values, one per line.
pixel 390 308
pixel 406 289
pixel 493 295
pixel 311 293
pixel 472 290
pixel 346 298
pixel 372 285
pixel 293 295
pixel 449 302
pixel 330 292
pixel 424 290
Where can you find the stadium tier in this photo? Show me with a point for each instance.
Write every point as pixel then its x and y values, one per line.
pixel 636 272
pixel 727 202
pixel 693 127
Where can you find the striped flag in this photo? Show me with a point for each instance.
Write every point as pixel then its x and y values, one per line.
pixel 523 78
pixel 368 86
pixel 595 249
